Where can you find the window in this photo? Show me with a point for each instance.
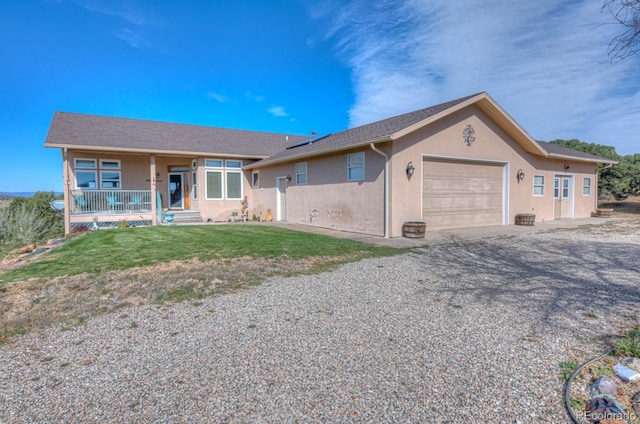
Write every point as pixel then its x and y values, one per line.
pixel 538 185
pixel 213 163
pixel 255 179
pixel 234 185
pixel 86 163
pixel 233 164
pixel 565 188
pixel 355 166
pixel 301 173
pixel 110 179
pixel 556 188
pixel 109 164
pixel 194 186
pixel 586 186
pixel 86 179
pixel 214 184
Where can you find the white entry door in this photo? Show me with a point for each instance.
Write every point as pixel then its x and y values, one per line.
pixel 281 199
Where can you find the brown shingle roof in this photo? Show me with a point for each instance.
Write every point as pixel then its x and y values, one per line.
pixel 375 131
pixel 556 150
pixel 119 134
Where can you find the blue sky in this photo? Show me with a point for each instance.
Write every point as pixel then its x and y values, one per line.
pixel 298 66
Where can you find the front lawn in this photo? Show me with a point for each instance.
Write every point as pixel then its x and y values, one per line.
pixel 104 271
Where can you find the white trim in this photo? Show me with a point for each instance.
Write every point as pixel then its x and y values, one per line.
pixel 206 184
pixel 116 161
pixel 590 186
pixel 75 163
pixel 534 185
pixel 103 179
pixel 505 179
pixel 93 171
pixel 182 187
pixel 213 166
pixel 226 183
pixel 350 167
pixel 281 213
pixel 572 191
pixel 226 164
pixel 299 174
pixel 194 185
pixel 255 182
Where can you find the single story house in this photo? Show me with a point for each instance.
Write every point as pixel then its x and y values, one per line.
pixel 464 163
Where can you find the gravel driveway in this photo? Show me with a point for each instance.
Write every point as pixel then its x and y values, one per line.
pixel 456 333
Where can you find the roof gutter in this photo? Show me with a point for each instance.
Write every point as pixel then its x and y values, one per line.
pixel 386 188
pixel 579 159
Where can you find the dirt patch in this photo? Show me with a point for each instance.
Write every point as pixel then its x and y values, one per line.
pixel 68 301
pixel 627 208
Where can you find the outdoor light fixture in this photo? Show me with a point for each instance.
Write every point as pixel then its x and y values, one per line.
pixel 566 166
pixel 289 178
pixel 410 170
pixel 520 175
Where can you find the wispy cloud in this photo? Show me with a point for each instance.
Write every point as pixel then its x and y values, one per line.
pixel 255 97
pixel 217 97
pixel 277 111
pixel 120 9
pixel 545 62
pixel 132 38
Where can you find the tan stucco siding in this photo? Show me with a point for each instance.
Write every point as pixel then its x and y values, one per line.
pixel 328 199
pixel 444 138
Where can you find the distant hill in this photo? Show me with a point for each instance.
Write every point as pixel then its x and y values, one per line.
pixel 10 195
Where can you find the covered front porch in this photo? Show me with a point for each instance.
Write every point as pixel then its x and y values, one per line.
pixel 90 209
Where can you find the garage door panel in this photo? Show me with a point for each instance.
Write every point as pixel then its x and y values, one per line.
pixel 462 194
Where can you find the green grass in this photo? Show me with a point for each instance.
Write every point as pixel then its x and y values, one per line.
pixel 568 367
pixel 109 250
pixel 629 345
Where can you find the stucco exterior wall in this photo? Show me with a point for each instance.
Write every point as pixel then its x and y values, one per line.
pixel 328 199
pixel 444 138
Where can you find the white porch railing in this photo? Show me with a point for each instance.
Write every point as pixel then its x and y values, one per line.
pixel 109 201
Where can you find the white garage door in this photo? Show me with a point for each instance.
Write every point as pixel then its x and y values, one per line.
pixel 462 194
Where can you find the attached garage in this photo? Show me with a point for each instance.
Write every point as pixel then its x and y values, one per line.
pixel 463 193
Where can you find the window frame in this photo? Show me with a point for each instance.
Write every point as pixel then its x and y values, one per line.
pixel 206 183
pixel 194 185
pixel 300 174
pixel 538 185
pixel 587 187
pixel 226 184
pixel 76 166
pixel 255 179
pixel 87 171
pixel 206 163
pixel 350 167
pixel 118 162
pixel 103 179
pixel 227 165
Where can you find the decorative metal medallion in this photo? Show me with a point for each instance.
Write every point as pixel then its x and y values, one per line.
pixel 469 135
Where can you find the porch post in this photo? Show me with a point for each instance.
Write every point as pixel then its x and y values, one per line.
pixel 152 175
pixel 65 190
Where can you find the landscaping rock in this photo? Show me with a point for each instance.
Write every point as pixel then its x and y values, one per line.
pixel 626 374
pixel 602 407
pixel 603 386
pixel 633 363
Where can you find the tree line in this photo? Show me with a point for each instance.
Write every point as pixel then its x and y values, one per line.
pixel 616 182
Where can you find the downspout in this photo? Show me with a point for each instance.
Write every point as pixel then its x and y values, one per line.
pixel 609 165
pixel 386 188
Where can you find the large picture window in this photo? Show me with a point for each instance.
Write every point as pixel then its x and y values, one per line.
pixel 234 185
pixel 214 185
pixel 355 166
pixel 86 179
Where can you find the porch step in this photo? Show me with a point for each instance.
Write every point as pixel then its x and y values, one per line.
pixel 180 217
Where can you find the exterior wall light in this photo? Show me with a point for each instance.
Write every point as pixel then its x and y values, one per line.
pixel 288 178
pixel 410 170
pixel 520 175
pixel 566 166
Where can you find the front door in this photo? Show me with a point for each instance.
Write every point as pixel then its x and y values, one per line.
pixel 563 197
pixel 281 199
pixel 176 191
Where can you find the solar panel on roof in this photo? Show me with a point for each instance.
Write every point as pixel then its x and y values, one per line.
pixel 310 141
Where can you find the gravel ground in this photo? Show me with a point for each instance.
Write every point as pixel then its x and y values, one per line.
pixel 456 333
